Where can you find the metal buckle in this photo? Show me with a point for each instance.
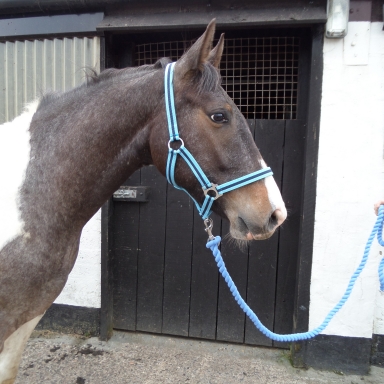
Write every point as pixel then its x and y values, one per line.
pixel 172 141
pixel 213 188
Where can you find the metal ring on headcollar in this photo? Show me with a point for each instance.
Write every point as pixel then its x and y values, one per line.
pixel 172 141
pixel 213 189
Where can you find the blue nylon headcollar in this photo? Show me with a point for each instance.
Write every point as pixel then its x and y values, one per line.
pixel 207 186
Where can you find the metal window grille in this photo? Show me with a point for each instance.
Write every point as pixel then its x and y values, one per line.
pixel 260 74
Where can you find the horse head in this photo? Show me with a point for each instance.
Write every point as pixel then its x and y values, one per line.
pixel 217 134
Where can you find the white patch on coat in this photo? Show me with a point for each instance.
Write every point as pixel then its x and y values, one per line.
pixel 13 349
pixel 14 159
pixel 274 196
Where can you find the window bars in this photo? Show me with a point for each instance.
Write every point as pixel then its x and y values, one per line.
pixel 260 74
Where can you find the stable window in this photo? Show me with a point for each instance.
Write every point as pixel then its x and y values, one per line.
pixel 260 74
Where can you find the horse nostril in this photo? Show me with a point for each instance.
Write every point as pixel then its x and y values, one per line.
pixel 278 216
pixel 273 219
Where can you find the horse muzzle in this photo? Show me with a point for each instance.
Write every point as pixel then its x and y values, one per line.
pixel 247 228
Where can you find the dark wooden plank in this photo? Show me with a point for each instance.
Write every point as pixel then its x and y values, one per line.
pixel 304 73
pixel 230 317
pixel 103 54
pixel 262 266
pixel 149 19
pixel 290 231
pixel 106 312
pixel 301 307
pixel 151 253
pixel 310 179
pixel 204 282
pixel 126 54
pixel 177 265
pixel 126 244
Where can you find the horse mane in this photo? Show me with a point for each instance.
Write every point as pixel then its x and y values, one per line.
pixel 206 80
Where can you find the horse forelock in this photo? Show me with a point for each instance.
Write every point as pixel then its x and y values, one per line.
pixel 209 79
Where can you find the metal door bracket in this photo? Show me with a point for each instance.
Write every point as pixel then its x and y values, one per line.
pixel 132 194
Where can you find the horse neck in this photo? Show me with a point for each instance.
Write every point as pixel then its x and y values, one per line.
pixel 85 146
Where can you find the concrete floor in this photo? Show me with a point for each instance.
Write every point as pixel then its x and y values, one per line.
pixel 142 358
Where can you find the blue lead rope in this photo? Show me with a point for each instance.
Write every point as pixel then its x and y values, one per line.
pixel 213 245
pixel 208 187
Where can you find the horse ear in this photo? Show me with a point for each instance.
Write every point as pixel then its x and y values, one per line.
pixel 198 54
pixel 215 55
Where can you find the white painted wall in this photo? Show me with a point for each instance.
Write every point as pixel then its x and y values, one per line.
pixel 350 181
pixel 83 287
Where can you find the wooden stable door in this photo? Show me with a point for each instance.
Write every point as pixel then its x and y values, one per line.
pixel 166 281
pixel 164 278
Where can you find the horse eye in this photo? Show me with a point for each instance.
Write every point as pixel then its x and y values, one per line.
pixel 219 118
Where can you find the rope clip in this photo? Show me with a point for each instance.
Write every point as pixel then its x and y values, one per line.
pixel 208 228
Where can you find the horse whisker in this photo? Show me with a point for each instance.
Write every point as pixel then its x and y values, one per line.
pixel 242 245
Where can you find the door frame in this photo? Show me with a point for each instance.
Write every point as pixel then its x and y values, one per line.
pixel 304 257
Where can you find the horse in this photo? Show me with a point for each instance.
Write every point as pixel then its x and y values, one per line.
pixel 70 151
